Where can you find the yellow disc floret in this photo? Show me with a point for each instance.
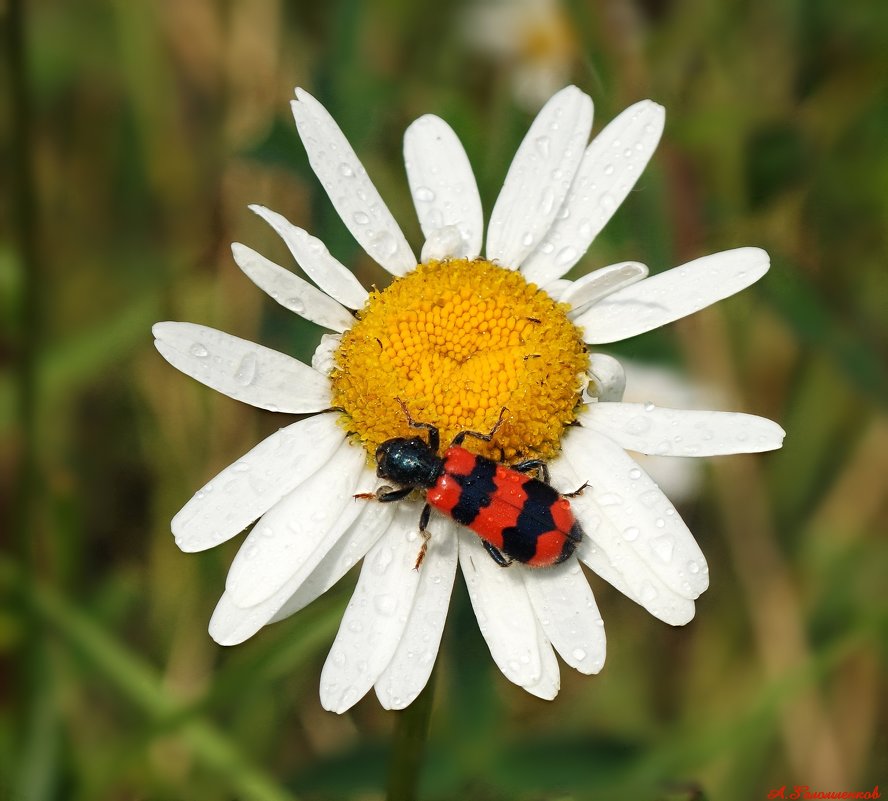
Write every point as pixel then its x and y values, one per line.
pixel 457 341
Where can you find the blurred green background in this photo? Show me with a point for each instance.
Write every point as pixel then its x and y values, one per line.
pixel 133 135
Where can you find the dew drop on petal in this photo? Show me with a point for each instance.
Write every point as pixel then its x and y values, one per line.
pixel 385 604
pixel 360 218
pixel 542 144
pixel 246 370
pixel 566 257
pixel 609 169
pixel 199 351
pixel 424 194
pixel 635 474
pixel 607 202
pixel 295 304
pixel 547 200
pixel 631 533
pixel 664 547
pixel 346 171
pixel 579 654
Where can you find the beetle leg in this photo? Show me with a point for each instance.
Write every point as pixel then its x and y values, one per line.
pixel 434 436
pixel 458 439
pixel 578 491
pixel 533 464
pixel 424 533
pixel 496 554
pixel 385 494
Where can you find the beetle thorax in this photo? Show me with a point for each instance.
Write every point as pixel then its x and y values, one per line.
pixel 408 462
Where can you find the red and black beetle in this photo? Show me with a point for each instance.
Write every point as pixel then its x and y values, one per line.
pixel 518 517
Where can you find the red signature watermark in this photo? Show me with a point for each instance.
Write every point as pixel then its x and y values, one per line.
pixel 802 791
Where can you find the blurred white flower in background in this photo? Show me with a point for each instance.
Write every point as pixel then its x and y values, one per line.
pixel 532 39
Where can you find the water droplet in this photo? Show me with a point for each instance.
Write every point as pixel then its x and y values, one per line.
pixel 251 549
pixel 346 171
pixel 542 144
pixel 638 425
pixel 547 201
pixel 694 566
pixel 547 248
pixel 651 498
pixel 360 218
pixel 383 560
pixel 566 257
pixel 241 467
pixel 199 351
pixel 385 604
pixel 635 474
pixel 385 243
pixel 631 533
pixel 664 547
pixel 424 194
pixel 579 654
pixel 527 239
pixel 295 304
pixel 339 658
pixel 246 370
pixel 609 169
pixel 355 626
pixel 649 407
pixel 609 499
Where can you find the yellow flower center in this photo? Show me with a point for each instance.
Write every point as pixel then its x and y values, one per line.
pixel 457 341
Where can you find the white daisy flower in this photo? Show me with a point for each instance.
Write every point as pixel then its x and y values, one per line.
pixel 532 39
pixel 459 338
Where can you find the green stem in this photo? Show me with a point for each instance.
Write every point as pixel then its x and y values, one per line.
pixel 408 744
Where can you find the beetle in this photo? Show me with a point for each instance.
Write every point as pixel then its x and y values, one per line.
pixel 517 516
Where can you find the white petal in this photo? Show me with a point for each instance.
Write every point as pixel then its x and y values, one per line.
pixel 443 184
pixel 232 624
pixel 409 669
pixel 443 243
pixel 291 291
pixel 672 295
pixel 555 289
pixel 607 378
pixel 348 550
pixel 256 482
pixel 242 369
pixel 654 430
pixel 350 189
pixel 312 255
pixel 639 512
pixel 540 177
pixel 376 615
pixel 607 553
pixel 566 609
pixel 549 682
pixel 322 359
pixel 610 167
pixel 291 539
pixel 599 284
pixel 505 615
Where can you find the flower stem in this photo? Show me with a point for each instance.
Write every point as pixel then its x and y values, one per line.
pixel 408 744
